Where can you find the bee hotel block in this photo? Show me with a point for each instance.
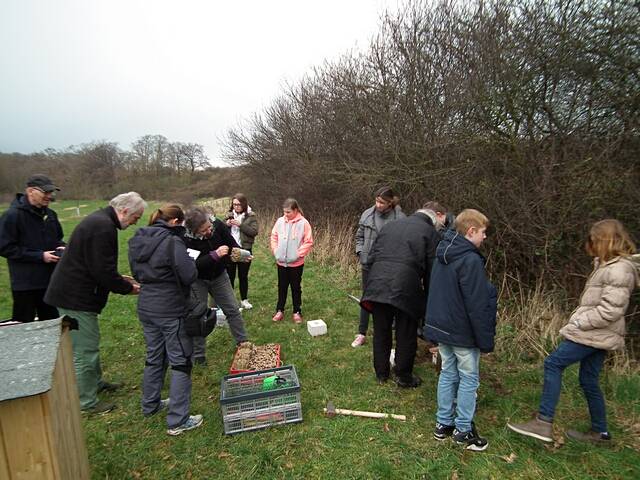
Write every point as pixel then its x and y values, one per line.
pixel 316 327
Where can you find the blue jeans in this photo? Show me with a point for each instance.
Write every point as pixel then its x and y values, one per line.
pixel 591 361
pixel 459 380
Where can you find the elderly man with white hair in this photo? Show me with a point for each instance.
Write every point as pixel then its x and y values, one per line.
pixel 80 286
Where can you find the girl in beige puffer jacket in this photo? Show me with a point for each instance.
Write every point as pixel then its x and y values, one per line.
pixel 596 326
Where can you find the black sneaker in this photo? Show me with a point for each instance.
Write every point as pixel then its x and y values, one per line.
pixel 471 439
pixel 443 431
pixel 109 387
pixel 382 379
pixel 414 382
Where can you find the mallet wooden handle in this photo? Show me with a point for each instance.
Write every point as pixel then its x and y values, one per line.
pixel 358 413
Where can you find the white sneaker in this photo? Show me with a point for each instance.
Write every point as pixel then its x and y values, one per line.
pixel 246 305
pixel 194 421
pixel 221 318
pixel 359 340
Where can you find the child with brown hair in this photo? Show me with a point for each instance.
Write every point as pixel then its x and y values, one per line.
pixel 461 319
pixel 291 242
pixel 596 326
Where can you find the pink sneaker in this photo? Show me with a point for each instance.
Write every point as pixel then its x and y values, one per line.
pixel 297 318
pixel 278 316
pixel 359 340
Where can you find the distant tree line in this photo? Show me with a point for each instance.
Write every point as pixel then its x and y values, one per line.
pixel 527 110
pixel 153 166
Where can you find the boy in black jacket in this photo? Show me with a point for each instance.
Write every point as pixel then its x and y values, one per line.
pixel 461 318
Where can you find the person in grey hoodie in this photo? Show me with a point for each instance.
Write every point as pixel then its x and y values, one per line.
pixel 160 263
pixel 385 210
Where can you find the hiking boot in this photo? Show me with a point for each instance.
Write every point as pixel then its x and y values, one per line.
pixel 590 436
pixel 535 428
pixel 200 361
pixel 163 405
pixel 441 431
pixel 99 408
pixel 194 421
pixel 470 439
pixel 359 340
pixel 278 316
pixel 297 318
pixel 109 387
pixel 246 305
pixel 415 382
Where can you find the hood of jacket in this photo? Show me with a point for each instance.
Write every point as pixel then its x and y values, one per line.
pixel 295 219
pixel 453 246
pixel 143 245
pixel 634 260
pixel 22 203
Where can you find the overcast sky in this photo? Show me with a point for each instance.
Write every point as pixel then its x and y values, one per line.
pixel 74 71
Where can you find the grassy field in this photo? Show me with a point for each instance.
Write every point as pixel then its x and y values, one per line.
pixel 124 445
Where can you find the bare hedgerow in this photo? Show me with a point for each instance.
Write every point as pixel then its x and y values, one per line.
pixel 526 110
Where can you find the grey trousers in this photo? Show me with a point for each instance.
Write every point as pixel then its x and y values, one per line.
pixel 167 345
pixel 222 292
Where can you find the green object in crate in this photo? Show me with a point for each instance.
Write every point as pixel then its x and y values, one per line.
pixel 273 382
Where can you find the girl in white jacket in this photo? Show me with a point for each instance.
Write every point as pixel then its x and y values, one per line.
pixel 595 327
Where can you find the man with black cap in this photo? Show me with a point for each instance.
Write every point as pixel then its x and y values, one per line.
pixel 31 241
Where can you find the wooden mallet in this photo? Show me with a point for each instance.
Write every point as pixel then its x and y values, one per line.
pixel 332 411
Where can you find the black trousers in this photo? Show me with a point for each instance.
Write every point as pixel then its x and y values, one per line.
pixel 243 276
pixel 363 326
pixel 26 303
pixel 290 276
pixel 406 341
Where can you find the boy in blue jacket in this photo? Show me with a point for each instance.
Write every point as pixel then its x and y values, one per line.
pixel 461 318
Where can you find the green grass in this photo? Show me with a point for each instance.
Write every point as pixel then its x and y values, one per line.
pixel 125 445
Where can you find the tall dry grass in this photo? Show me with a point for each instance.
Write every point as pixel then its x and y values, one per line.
pixel 219 206
pixel 528 319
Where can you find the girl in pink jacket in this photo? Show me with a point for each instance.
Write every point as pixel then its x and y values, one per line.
pixel 291 241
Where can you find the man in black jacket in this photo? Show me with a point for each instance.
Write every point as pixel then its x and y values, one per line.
pixel 81 283
pixel 396 289
pixel 31 241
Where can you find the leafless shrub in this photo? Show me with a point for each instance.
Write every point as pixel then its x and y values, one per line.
pixel 526 109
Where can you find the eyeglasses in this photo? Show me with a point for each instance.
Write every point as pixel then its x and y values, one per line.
pixel 236 204
pixel 52 193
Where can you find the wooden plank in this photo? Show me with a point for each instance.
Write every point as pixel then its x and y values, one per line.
pixel 63 407
pixel 24 433
pixel 4 462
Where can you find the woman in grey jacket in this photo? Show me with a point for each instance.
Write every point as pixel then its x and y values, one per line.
pixel 160 263
pixel 385 210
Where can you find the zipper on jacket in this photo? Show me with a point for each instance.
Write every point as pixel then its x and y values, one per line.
pixel 286 244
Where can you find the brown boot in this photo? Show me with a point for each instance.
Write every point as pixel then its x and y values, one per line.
pixel 590 436
pixel 535 428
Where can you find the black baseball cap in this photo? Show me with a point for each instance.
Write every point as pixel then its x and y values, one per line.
pixel 41 181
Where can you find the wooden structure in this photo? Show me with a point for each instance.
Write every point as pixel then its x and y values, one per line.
pixel 41 434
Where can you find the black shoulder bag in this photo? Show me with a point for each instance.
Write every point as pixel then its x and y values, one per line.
pixel 199 319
